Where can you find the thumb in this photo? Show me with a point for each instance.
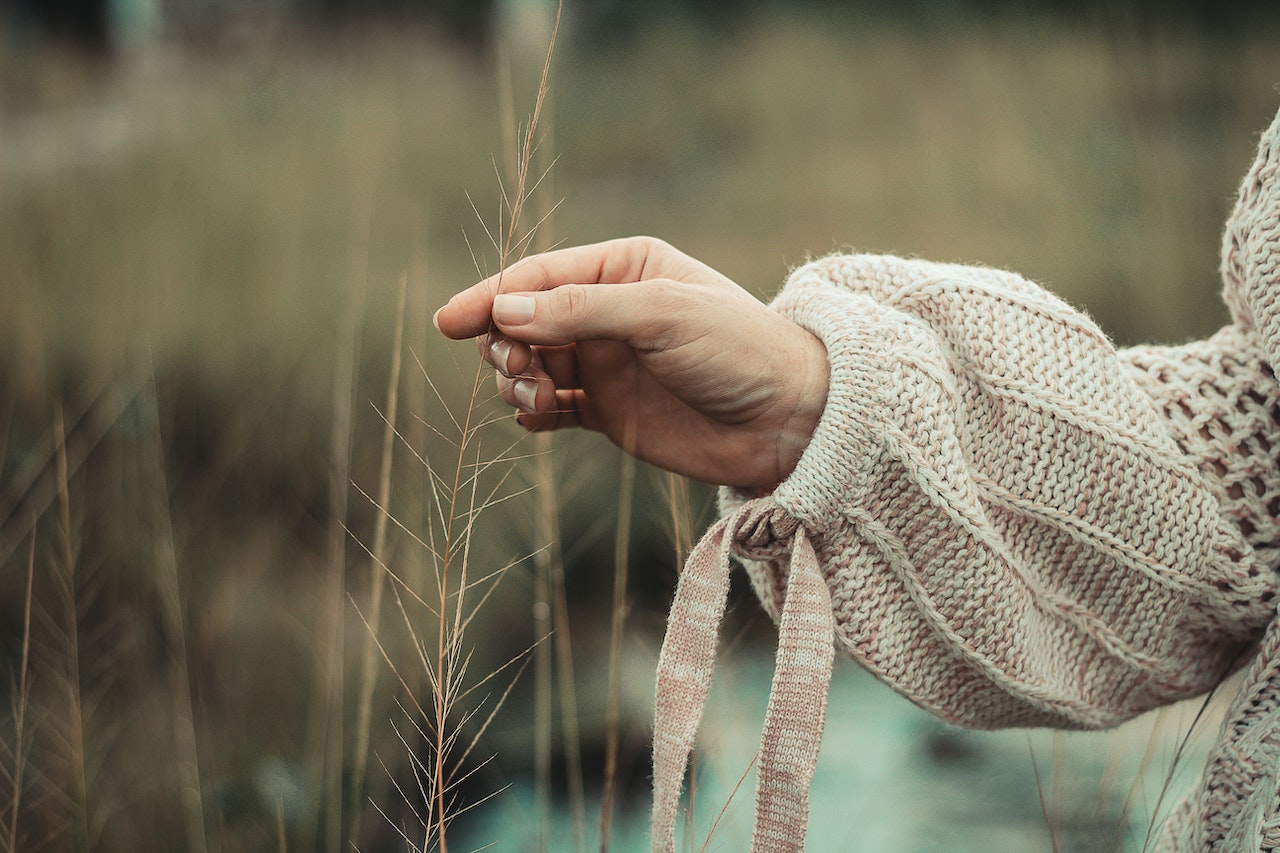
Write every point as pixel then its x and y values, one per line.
pixel 561 315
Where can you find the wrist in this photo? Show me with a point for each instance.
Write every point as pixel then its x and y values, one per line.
pixel 810 376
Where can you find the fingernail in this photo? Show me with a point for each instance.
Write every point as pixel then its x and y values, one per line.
pixel 512 310
pixel 500 350
pixel 435 318
pixel 526 393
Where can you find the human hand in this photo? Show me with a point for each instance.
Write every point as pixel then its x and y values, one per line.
pixel 672 361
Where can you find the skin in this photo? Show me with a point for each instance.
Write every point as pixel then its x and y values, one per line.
pixel 671 360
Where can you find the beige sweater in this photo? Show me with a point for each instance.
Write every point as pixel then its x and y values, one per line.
pixel 1013 524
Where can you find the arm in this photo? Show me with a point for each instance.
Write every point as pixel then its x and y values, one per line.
pixel 1018 524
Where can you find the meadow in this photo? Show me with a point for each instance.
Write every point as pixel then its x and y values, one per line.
pixel 217 271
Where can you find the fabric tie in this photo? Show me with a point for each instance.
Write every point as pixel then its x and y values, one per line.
pixel 792 734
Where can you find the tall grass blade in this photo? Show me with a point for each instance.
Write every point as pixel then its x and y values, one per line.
pixel 179 672
pixel 617 623
pixel 377 577
pixel 17 754
pixel 325 738
pixel 77 789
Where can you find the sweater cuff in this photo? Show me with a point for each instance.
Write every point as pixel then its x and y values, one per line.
pixel 868 346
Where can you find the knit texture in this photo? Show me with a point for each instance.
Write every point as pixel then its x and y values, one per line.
pixel 1014 524
pixel 797 698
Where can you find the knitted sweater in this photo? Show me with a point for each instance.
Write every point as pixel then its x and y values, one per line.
pixel 1013 524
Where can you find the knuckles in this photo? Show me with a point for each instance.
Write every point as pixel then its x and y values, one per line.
pixel 569 303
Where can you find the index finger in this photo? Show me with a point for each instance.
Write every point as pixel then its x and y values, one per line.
pixel 621 261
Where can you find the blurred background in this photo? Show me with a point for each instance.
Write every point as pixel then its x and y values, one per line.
pixel 207 211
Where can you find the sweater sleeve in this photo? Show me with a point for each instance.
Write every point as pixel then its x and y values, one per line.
pixel 1017 524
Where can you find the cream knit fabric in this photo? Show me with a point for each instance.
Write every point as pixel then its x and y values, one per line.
pixel 1013 524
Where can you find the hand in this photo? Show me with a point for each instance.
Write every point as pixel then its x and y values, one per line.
pixel 675 363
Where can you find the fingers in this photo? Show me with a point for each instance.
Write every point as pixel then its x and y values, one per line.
pixel 507 356
pixel 613 262
pixel 514 359
pixel 633 313
pixel 636 313
pixel 541 385
pixel 540 406
pixel 568 414
pixel 527 393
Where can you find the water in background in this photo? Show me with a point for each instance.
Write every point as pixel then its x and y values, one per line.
pixel 893 779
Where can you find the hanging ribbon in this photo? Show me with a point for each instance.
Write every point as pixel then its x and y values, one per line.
pixel 792 734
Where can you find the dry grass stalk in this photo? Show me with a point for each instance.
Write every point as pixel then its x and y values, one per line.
pixel 543 703
pixel 551 569
pixel 33 491
pixel 1154 823
pixel 547 560
pixel 326 736
pixel 15 754
pixel 1046 812
pixel 554 660
pixel 49 782
pixel 457 502
pixel 65 574
pixel 191 794
pixel 458 498
pixel 617 622
pixel 378 559
pixel 724 808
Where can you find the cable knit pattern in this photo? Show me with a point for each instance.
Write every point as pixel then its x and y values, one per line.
pixel 1018 525
pixel 982 549
pixel 1251 248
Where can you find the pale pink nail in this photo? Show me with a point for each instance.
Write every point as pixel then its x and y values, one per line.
pixel 500 350
pixel 526 394
pixel 512 309
pixel 435 318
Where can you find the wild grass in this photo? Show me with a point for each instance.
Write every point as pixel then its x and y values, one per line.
pixel 177 670
pixel 77 783
pixel 452 723
pixel 201 311
pixel 15 750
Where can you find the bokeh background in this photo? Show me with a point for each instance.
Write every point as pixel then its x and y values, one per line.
pixel 207 208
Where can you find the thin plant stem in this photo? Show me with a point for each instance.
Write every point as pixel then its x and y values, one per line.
pixel 185 743
pixel 544 562
pixel 617 624
pixel 326 734
pixel 1046 813
pixel 282 836
pixel 552 620
pixel 1183 742
pixel 444 669
pixel 377 576
pixel 457 501
pixel 75 734
pixel 546 530
pixel 21 699
pixel 568 703
pixel 724 808
pixel 39 494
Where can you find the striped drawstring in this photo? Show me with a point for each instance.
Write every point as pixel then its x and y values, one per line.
pixel 797 708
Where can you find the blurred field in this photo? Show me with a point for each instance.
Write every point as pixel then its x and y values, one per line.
pixel 195 250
